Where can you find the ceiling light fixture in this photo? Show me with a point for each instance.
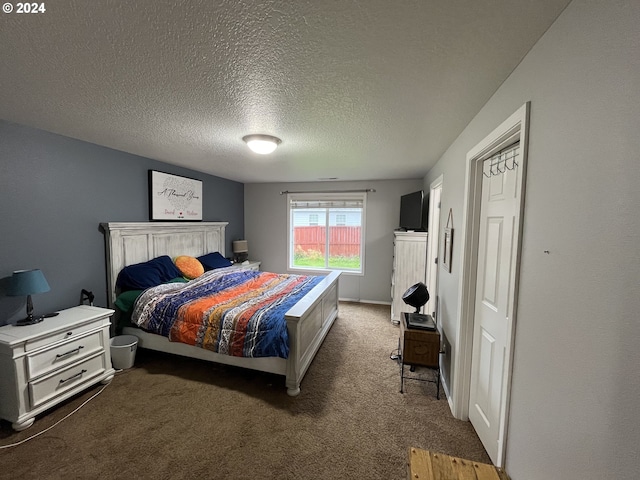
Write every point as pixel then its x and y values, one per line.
pixel 262 144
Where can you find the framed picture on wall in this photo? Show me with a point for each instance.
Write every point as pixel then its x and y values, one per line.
pixel 448 243
pixel 172 197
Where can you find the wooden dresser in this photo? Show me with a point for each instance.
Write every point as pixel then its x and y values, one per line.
pixel 409 268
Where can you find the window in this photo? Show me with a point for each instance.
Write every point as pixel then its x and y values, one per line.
pixel 326 231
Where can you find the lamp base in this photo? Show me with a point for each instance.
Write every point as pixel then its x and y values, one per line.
pixel 419 321
pixel 241 257
pixel 29 321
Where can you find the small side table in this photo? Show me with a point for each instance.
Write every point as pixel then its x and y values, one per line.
pixel 418 347
pixel 251 265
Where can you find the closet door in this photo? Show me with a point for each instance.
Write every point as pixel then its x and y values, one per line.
pixel 494 284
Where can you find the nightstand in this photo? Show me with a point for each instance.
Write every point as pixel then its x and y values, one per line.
pixel 43 364
pixel 252 265
pixel 418 347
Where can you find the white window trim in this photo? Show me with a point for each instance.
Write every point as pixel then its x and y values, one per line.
pixel 328 196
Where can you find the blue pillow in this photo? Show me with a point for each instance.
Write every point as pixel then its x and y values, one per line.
pixel 147 274
pixel 214 260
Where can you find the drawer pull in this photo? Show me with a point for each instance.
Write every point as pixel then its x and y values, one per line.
pixel 75 350
pixel 69 334
pixel 79 374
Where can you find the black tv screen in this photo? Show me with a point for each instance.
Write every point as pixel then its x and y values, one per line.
pixel 411 211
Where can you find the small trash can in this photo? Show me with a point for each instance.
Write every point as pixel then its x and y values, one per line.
pixel 123 351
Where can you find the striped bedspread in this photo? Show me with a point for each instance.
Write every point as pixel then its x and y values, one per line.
pixel 229 311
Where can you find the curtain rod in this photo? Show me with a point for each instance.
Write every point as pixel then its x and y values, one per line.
pixel 332 191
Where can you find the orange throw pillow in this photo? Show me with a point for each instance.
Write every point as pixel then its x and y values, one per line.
pixel 190 267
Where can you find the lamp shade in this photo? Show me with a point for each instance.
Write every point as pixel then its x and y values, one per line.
pixel 27 282
pixel 240 246
pixel 416 296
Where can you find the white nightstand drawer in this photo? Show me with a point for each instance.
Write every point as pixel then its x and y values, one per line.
pixel 50 386
pixel 47 360
pixel 61 335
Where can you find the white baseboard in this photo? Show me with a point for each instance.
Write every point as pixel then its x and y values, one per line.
pixel 445 388
pixel 359 300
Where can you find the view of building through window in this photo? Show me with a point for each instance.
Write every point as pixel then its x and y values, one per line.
pixel 326 235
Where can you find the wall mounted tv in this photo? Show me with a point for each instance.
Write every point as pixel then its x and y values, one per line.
pixel 413 209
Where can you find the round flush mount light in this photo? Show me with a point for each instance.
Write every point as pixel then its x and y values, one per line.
pixel 262 144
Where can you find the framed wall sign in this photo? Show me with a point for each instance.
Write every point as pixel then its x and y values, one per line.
pixel 448 243
pixel 172 197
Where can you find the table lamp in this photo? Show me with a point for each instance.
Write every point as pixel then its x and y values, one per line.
pixel 28 282
pixel 416 296
pixel 241 250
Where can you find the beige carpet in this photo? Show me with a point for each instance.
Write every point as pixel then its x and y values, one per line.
pixel 171 417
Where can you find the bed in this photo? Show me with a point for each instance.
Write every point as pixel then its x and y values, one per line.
pixel 307 322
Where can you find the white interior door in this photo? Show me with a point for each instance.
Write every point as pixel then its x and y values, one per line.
pixel 499 208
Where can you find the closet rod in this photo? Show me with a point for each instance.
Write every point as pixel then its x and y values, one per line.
pixel 331 191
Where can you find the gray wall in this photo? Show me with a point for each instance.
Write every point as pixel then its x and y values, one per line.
pixel 54 191
pixel 574 404
pixel 266 231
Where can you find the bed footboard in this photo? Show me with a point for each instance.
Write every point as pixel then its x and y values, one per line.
pixel 308 323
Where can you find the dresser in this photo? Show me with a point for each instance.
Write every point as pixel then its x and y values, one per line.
pixel 409 268
pixel 43 364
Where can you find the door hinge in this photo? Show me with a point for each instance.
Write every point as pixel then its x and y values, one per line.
pixel 436 261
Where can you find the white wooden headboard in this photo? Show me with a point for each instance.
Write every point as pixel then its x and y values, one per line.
pixel 135 242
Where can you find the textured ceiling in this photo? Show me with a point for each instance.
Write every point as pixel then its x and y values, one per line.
pixel 359 90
